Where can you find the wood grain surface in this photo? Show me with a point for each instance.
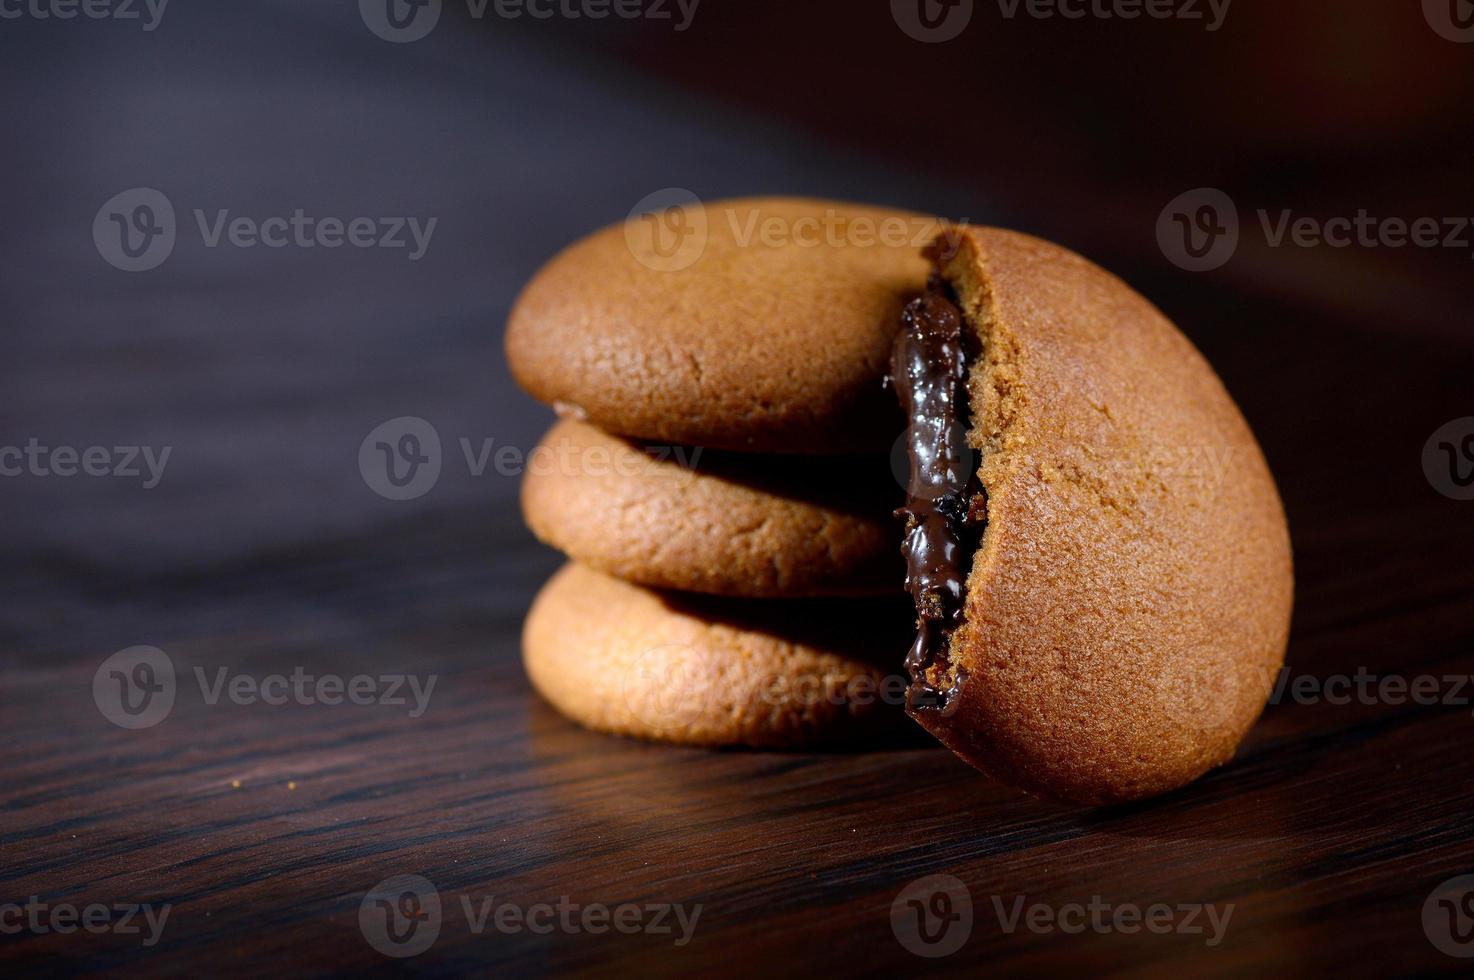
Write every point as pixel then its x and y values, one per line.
pixel 263 552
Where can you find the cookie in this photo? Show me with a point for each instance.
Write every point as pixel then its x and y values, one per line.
pixel 694 670
pixel 677 517
pixel 1097 550
pixel 758 325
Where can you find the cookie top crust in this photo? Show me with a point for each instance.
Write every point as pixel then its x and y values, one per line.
pixel 1129 604
pixel 752 324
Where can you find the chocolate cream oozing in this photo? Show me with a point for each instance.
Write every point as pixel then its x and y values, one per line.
pixel 946 507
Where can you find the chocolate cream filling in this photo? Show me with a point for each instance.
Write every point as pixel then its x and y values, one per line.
pixel 946 507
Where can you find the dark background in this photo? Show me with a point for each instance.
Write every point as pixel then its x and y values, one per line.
pixel 263 548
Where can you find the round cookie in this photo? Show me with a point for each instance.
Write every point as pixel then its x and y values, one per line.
pixel 1128 606
pixel 677 517
pixel 756 324
pixel 619 658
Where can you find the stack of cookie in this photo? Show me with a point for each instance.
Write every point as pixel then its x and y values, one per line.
pixel 720 473
pixel 1095 547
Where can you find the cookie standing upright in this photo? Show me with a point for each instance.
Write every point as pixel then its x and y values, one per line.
pixel 1123 554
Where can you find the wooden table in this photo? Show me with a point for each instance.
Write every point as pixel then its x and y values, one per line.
pixel 263 552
